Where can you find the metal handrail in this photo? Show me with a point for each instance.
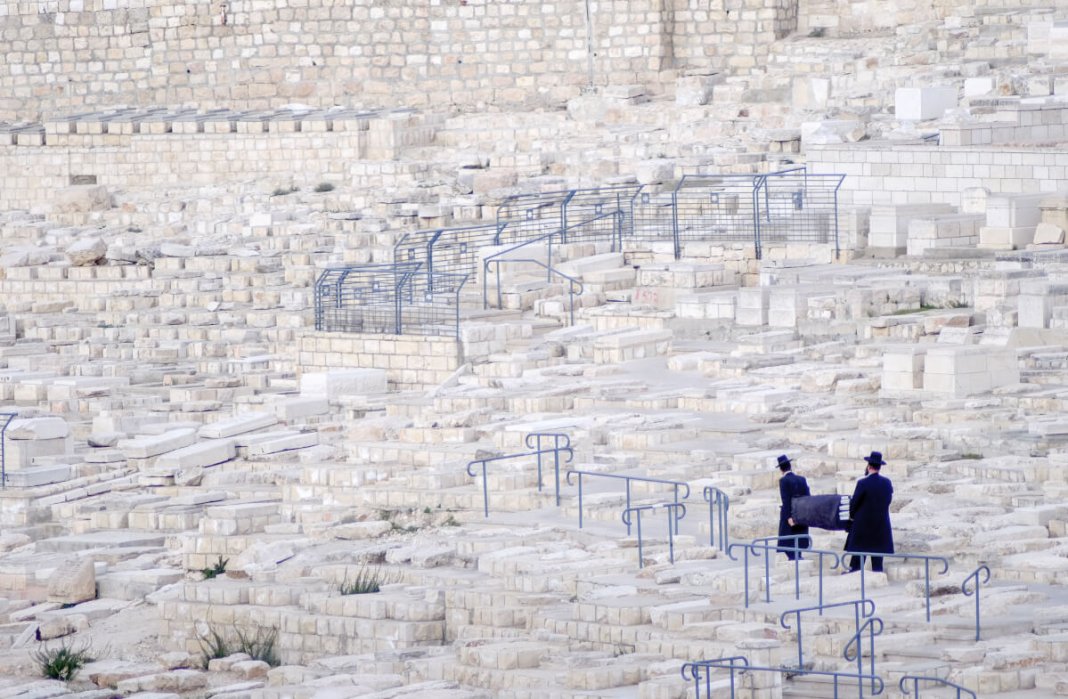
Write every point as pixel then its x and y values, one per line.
pixel 916 679
pixel 560 441
pixel 3 447
pixel 856 642
pixel 763 544
pixel 964 588
pixel 718 504
pixel 673 524
pixel 862 608
pixel 692 670
pixel 629 480
pixel 904 557
pixel 485 462
pixel 574 287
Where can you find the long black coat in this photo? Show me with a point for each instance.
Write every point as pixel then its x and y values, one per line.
pixel 869 510
pixel 791 486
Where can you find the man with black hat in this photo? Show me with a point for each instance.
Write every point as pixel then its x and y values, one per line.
pixel 791 486
pixel 869 511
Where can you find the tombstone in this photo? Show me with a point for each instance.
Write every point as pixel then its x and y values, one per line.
pixel 73 582
pixel 923 103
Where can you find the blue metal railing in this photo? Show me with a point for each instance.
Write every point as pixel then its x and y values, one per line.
pixel 485 462
pixel 629 479
pixel 574 286
pixel 790 205
pixel 718 504
pixel 904 557
pixel 3 447
pixel 560 442
pixel 675 512
pixel 763 544
pixel 856 643
pixel 916 679
pixel 739 663
pixel 964 588
pixel 862 609
pixel 388 298
pixel 602 213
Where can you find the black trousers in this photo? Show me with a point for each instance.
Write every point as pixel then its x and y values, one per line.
pixel 876 563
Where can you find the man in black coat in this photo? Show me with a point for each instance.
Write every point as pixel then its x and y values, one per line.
pixel 869 510
pixel 791 486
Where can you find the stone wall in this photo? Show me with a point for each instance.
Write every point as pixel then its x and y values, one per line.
pixel 856 17
pixel 134 153
pixel 63 56
pixel 410 362
pixel 879 174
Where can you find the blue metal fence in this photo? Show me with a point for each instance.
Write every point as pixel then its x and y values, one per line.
pixel 398 299
pixel 786 206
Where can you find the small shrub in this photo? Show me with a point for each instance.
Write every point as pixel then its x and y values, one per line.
pixel 324 187
pixel 282 191
pixel 62 662
pixel 213 645
pixel 216 570
pixel 259 645
pixel 367 581
pixel 450 521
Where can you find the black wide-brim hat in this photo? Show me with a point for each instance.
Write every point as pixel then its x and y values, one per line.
pixel 784 461
pixel 875 459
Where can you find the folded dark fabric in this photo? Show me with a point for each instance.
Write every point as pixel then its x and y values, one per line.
pixel 822 511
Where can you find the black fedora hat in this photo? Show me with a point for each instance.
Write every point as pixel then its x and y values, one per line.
pixel 875 459
pixel 784 462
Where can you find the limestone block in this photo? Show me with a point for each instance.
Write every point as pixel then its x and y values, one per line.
pixel 923 103
pixel 903 368
pixel 831 131
pixel 655 171
pixel 21 453
pixel 59 626
pixel 147 446
pixel 344 382
pixel 34 476
pixel 299 408
pixel 37 428
pixel 274 446
pixel 1005 211
pixel 86 251
pixel 361 530
pixel 73 582
pixel 695 90
pixel 1048 234
pixel 969 370
pixel 1003 238
pixel 751 308
pixel 202 454
pixel 978 87
pixel 173 681
pixel 239 424
pixel 81 199
pixel 811 92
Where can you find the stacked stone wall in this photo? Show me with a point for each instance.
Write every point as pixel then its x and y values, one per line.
pixel 938 175
pixel 64 56
pixel 853 17
pixel 410 362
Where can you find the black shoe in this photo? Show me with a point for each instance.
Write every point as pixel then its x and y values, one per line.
pixel 848 572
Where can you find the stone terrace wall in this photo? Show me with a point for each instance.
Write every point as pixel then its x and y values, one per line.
pixel 202 153
pixel 852 17
pixel 63 56
pixel 410 362
pixel 880 174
